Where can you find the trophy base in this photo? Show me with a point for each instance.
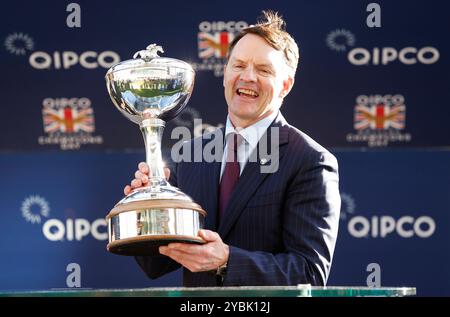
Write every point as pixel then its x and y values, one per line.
pixel 151 217
pixel 149 247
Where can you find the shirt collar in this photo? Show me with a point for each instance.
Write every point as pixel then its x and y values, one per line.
pixel 254 132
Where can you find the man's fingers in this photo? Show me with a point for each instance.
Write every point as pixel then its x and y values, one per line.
pixel 136 183
pixel 193 263
pixel 143 168
pixel 190 249
pixel 144 172
pixel 189 262
pixel 174 254
pixel 167 172
pixel 208 235
pixel 141 176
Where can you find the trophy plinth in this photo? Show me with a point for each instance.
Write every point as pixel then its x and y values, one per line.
pixel 150 90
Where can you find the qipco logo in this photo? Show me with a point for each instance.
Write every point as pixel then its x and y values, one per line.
pixel 383 226
pixel 35 209
pixel 74 229
pixel 218 26
pixel 382 56
pixel 68 59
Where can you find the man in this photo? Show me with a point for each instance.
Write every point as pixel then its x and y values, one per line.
pixel 276 228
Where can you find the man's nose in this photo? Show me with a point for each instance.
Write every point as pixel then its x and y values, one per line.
pixel 248 74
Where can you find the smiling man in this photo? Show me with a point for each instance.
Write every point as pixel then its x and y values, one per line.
pixel 277 228
pixel 256 80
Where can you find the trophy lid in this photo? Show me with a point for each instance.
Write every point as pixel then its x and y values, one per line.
pixel 150 58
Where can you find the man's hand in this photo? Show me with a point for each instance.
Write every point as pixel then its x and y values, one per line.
pixel 199 258
pixel 141 177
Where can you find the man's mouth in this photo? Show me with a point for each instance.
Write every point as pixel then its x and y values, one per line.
pixel 247 92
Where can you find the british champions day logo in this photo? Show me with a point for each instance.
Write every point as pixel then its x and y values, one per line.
pixel 35 209
pixel 68 122
pixel 379 120
pixel 213 40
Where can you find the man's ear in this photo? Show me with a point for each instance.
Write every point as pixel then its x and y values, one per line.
pixel 287 86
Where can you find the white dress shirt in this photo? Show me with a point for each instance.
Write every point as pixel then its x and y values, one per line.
pixel 251 136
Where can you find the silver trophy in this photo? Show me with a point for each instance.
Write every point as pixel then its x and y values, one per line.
pixel 150 90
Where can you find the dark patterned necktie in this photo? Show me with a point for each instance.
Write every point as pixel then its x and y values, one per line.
pixel 230 174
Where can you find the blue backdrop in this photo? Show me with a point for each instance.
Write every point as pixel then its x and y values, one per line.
pixel 376 97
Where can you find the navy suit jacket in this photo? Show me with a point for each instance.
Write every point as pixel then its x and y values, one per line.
pixel 281 227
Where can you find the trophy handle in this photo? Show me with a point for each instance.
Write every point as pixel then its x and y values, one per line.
pixel 152 130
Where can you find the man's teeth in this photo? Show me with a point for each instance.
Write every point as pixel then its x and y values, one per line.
pixel 247 92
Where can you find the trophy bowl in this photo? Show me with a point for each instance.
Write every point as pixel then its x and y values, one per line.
pixel 150 90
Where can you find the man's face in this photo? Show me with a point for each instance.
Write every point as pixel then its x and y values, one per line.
pixel 256 80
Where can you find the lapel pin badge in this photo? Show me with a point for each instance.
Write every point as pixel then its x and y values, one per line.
pixel 263 161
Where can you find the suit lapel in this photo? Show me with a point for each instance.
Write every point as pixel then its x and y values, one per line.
pixel 211 193
pixel 251 178
pixel 209 176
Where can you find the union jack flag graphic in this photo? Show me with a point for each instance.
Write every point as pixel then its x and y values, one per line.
pixel 68 119
pixel 213 44
pixel 379 117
